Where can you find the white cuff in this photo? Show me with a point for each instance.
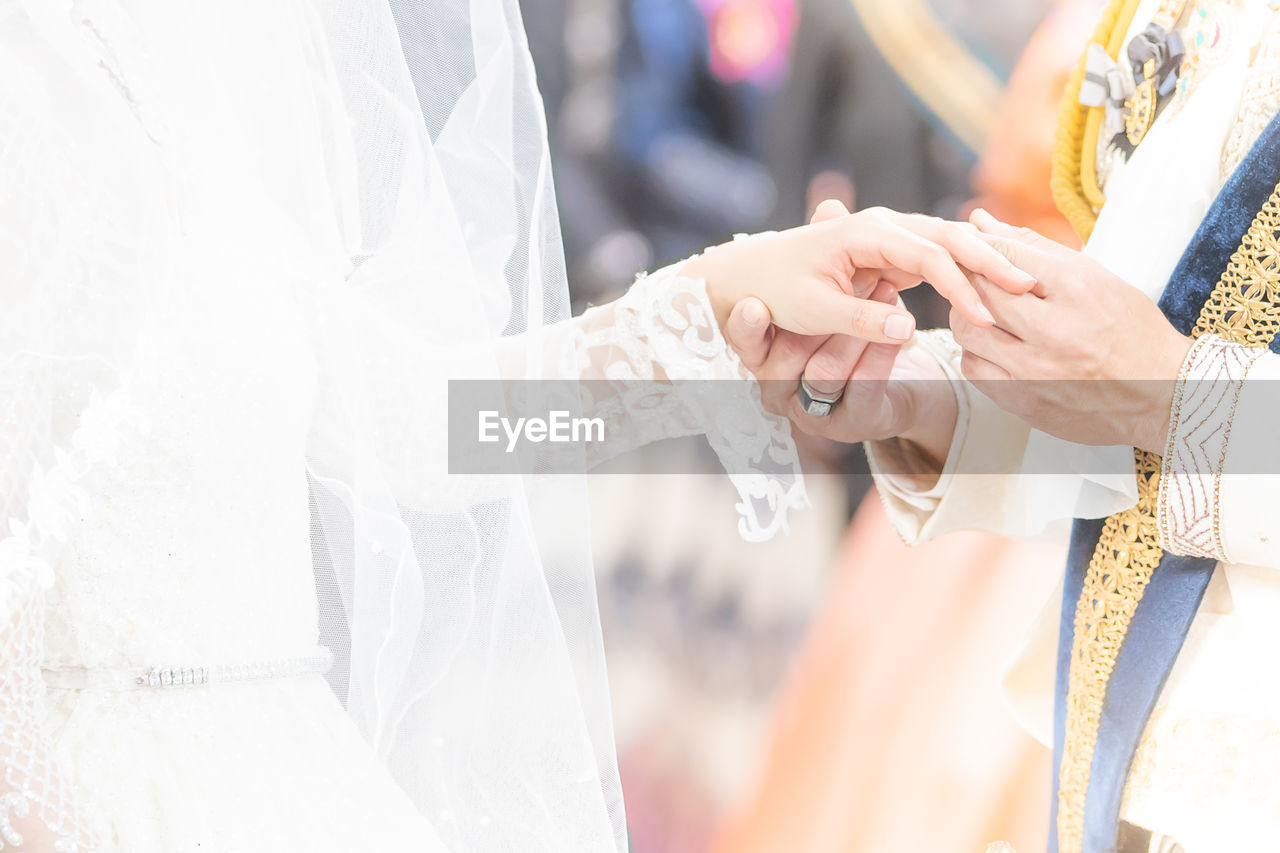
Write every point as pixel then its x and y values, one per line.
pixel 896 464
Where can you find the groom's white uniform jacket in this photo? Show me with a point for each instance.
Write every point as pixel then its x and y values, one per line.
pixel 1206 773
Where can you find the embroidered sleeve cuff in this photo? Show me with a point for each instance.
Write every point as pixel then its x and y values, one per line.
pixel 1204 406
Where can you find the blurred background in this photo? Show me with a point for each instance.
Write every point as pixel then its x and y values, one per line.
pixel 832 690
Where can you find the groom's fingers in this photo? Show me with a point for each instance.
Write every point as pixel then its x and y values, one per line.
pixel 988 224
pixel 750 332
pixel 1048 267
pixel 829 368
pixel 993 343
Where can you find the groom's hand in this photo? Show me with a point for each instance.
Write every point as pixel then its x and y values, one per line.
pixel 1096 358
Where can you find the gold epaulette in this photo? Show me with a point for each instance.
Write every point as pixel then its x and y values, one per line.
pixel 1075 179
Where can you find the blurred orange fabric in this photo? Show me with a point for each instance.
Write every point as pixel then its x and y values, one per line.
pixel 891 734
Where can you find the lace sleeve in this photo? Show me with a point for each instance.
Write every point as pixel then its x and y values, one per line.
pixel 37 809
pixel 668 372
pixel 37 805
pixel 652 365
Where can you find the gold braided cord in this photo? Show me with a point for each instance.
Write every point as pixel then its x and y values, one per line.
pixel 1074 180
pixel 1244 308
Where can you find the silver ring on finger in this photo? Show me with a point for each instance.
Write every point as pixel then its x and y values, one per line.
pixel 815 404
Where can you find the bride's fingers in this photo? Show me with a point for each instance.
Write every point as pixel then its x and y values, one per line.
pixel 750 332
pixel 877 360
pixel 876 241
pixel 833 363
pixel 968 249
pixel 829 209
pixel 827 311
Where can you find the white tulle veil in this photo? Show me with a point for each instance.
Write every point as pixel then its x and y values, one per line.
pixel 385 166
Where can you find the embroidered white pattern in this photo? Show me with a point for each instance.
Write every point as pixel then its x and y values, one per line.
pixel 1259 102
pixel 1199 431
pixel 1197 763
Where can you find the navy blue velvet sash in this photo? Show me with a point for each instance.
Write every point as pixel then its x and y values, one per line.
pixel 1171 598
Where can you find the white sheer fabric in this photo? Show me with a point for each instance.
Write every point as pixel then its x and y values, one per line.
pixel 243 248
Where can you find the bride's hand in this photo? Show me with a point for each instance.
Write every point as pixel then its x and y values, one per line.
pixel 811 277
pixel 922 409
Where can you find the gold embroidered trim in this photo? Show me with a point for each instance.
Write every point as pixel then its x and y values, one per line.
pixel 1244 308
pixel 1127 554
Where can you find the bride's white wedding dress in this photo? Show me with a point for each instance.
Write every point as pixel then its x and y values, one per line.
pixel 162 684
pixel 197 555
pixel 193 563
